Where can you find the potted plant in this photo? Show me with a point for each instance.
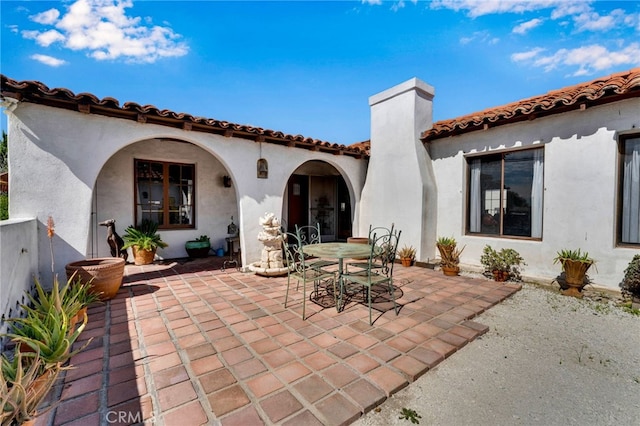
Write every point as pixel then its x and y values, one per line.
pixel 503 265
pixel 575 265
pixel 47 334
pixel 25 383
pixel 407 255
pixel 199 247
pixel 144 241
pixel 73 298
pixel 449 255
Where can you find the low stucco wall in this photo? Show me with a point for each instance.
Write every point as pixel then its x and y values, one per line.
pixel 18 263
pixel 580 188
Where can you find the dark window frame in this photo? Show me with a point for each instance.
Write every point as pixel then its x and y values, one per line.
pixel 167 209
pixel 501 202
pixel 620 182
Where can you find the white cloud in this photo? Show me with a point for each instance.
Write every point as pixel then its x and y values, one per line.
pixel 46 18
pixel 476 8
pixel 527 26
pixel 587 59
pixel 481 37
pixel 48 60
pixel 103 29
pixel 525 56
pixel 592 21
pixel 45 38
pixel 570 8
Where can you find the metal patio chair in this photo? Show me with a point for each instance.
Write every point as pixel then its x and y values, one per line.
pixel 301 271
pixel 379 272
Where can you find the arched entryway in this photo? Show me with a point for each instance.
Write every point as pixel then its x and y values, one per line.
pixel 317 193
pixel 181 186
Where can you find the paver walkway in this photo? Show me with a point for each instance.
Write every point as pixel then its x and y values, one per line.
pixel 189 344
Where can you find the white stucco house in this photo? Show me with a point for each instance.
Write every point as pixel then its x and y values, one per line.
pixel 551 172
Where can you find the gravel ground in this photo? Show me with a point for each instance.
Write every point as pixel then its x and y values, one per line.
pixel 548 359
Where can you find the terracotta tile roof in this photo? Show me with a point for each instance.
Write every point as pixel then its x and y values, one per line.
pixel 36 92
pixel 597 92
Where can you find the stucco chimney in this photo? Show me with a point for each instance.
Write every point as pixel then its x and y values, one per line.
pixel 400 186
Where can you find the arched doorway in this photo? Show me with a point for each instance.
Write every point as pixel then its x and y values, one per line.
pixel 317 193
pixel 176 184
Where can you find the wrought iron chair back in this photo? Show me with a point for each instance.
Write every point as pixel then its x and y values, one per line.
pixel 385 258
pixel 293 252
pixel 302 271
pixel 384 248
pixel 379 270
pixel 310 234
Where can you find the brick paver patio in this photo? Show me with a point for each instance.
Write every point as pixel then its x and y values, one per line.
pixel 185 343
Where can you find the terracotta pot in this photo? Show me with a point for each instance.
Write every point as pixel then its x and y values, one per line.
pixel 103 273
pixel 142 257
pixel 451 271
pixel 406 261
pixel 500 276
pixel 575 273
pixel 76 318
pixel 359 240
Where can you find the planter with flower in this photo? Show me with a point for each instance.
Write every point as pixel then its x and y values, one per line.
pixel 575 265
pixel 503 265
pixel 449 255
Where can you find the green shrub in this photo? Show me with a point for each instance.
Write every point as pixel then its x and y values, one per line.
pixel 631 282
pixel 4 206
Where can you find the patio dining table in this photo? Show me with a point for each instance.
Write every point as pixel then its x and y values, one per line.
pixel 340 251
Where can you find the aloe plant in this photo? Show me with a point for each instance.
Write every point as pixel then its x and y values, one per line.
pixel 24 384
pixel 48 334
pixel 70 297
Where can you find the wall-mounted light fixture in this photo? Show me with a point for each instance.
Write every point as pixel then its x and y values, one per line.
pixel 226 181
pixel 263 169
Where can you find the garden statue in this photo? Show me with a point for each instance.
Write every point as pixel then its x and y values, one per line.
pixel 271 237
pixel 114 240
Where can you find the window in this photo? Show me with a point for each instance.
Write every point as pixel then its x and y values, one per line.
pixel 165 193
pixel 505 194
pixel 630 190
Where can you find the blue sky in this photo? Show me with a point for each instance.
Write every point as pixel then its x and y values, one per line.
pixel 305 67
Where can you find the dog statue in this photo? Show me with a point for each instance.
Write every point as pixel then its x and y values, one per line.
pixel 114 240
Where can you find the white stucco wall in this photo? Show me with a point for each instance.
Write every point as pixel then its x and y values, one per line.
pixel 57 156
pixel 580 188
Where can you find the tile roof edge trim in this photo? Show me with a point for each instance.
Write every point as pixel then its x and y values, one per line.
pixel 38 93
pixel 603 90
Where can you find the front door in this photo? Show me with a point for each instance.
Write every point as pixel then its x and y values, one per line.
pixel 298 203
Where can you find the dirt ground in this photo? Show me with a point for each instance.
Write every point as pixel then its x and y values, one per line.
pixel 548 359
